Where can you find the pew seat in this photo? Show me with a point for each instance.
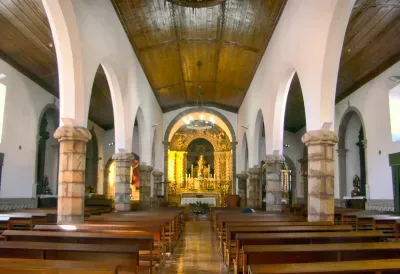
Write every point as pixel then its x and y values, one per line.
pixel 287 254
pixel 348 267
pixel 125 256
pixel 32 266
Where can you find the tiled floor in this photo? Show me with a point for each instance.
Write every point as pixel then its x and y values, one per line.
pixel 196 251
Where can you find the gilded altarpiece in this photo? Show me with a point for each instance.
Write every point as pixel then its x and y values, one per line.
pixel 201 178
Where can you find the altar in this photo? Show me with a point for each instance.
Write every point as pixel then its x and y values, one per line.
pixel 209 201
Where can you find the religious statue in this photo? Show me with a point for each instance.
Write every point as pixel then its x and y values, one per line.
pixel 135 174
pixel 356 186
pixel 201 164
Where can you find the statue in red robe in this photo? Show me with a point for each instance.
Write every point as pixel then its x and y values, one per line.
pixel 135 174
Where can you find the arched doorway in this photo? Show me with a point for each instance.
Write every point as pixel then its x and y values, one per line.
pixel 92 158
pixel 48 151
pixel 351 154
pixel 289 181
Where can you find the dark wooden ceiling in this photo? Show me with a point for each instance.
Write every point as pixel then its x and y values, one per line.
pixel 26 43
pixel 227 40
pixel 371 45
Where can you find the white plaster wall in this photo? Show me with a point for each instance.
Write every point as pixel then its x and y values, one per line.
pixel 372 101
pixel 353 153
pixel 25 101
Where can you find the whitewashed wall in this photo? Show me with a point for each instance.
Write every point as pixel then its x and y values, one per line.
pixel 25 101
pixel 372 101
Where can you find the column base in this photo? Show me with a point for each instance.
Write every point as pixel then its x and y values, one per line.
pixel 123 207
pixel 70 219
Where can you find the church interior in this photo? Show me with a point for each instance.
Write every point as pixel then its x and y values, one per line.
pixel 199 136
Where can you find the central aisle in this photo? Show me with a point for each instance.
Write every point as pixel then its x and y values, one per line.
pixel 196 251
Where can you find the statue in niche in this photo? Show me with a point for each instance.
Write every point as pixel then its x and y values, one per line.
pixel 356 186
pixel 47 189
pixel 201 164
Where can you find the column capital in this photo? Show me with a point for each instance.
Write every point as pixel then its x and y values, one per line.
pixel 64 133
pixel 123 157
pixel 145 168
pixel 273 158
pixel 157 173
pixel 316 137
pixel 242 176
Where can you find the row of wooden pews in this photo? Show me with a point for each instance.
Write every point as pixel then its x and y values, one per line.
pixel 136 242
pixel 271 243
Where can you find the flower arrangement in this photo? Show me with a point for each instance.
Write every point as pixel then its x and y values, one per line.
pixel 200 208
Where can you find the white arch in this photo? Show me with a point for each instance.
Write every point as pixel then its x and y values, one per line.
pixel 244 153
pixel 279 111
pixel 64 28
pixel 141 128
pixel 118 107
pixel 257 136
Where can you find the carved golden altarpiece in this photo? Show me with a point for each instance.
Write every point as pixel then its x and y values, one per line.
pixel 200 180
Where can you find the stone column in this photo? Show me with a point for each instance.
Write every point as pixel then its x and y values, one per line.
pixel 71 174
pixel 273 188
pixel 123 163
pixel 242 190
pixel 253 200
pixel 157 190
pixel 321 201
pixel 145 185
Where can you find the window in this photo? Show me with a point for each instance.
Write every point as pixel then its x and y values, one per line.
pixel 394 107
pixel 2 104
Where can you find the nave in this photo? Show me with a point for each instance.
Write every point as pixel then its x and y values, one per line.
pixel 196 251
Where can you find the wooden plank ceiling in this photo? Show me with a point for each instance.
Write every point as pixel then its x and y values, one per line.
pixel 228 42
pixel 214 50
pixel 371 45
pixel 26 43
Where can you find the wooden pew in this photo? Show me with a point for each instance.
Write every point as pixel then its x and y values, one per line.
pixel 155 231
pixel 348 267
pixel 228 226
pixel 249 239
pixel 25 220
pixel 4 223
pixel 232 231
pixel 32 266
pixel 145 242
pixel 275 254
pixel 125 256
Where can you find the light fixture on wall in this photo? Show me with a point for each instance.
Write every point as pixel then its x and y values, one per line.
pixel 111 144
pixel 286 145
pixel 395 79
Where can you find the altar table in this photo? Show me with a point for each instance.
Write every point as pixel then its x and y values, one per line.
pixel 209 201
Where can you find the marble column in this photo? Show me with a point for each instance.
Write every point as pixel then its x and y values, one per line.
pixel 71 174
pixel 253 199
pixel 242 188
pixel 145 185
pixel 157 190
pixel 123 163
pixel 273 187
pixel 321 201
